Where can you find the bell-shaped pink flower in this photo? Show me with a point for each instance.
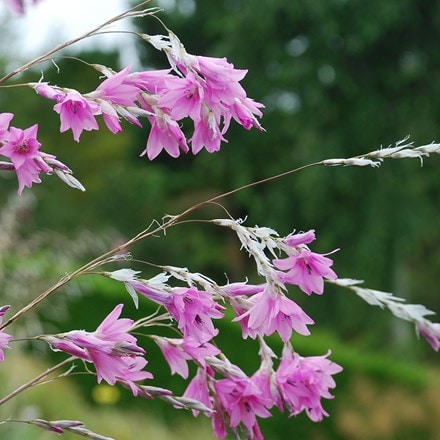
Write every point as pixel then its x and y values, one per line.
pixel 303 381
pixel 22 148
pixel 193 311
pixel 243 401
pixel 198 389
pixel 77 113
pixel 307 270
pixel 165 134
pixel 271 311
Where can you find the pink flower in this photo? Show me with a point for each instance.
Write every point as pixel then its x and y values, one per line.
pixel 199 351
pixel 302 382
pixel 48 92
pixel 293 240
pixel 198 389
pixel 207 132
pixel 4 337
pixel 118 89
pixel 174 355
pixel 77 113
pixel 194 310
pixel 165 134
pixel 15 6
pixel 431 332
pixel 5 119
pixel 110 348
pixel 178 351
pixel 271 312
pixel 154 81
pixel 22 148
pixel 243 400
pixel 184 98
pixel 307 270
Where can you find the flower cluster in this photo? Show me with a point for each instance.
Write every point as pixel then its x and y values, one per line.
pixel 266 308
pixel 206 90
pixel 298 384
pixel 236 400
pixel 111 348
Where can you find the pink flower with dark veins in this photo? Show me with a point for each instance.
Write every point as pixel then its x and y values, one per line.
pixel 184 99
pixel 243 400
pixel 307 270
pixel 271 311
pixel 193 311
pixel 22 148
pixel 303 381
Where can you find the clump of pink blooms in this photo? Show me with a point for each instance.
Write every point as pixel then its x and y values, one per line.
pixel 22 148
pixel 236 401
pixel 111 348
pixel 203 89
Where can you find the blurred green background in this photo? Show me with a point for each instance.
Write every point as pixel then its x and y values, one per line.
pixel 338 78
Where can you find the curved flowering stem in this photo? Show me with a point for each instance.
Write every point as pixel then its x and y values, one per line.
pixel 133 12
pixel 36 380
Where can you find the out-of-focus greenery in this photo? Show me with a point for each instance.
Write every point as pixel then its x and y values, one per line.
pixel 338 78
